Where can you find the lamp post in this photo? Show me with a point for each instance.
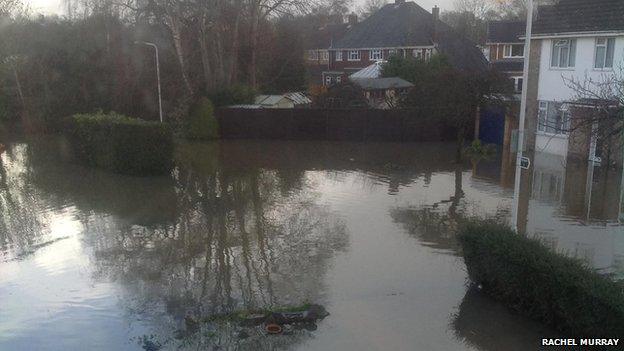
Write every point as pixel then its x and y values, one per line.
pixel 160 113
pixel 523 105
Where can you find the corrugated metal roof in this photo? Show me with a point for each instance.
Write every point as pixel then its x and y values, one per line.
pixel 268 99
pixel 372 71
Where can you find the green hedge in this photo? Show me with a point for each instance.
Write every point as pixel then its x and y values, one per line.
pixel 539 283
pixel 121 144
pixel 201 123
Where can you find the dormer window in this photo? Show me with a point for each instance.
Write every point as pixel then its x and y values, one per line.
pixel 376 55
pixel 354 55
pixel 563 53
pixel 513 51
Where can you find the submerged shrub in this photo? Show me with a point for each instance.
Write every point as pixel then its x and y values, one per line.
pixel 201 123
pixel 539 283
pixel 120 144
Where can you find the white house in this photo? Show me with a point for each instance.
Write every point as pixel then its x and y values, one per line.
pixel 573 40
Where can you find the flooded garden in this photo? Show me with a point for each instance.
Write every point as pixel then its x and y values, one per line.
pixel 95 260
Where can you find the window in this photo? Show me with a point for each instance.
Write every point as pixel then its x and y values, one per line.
pixel 427 54
pixel 417 53
pixel 563 53
pixel 338 79
pixel 338 55
pixel 392 52
pixel 354 55
pixel 605 47
pixel 312 55
pixel 328 80
pixel 513 50
pixel 376 55
pixel 553 118
pixel 325 55
pixel 517 83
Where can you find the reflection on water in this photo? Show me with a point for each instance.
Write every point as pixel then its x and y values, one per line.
pixel 92 260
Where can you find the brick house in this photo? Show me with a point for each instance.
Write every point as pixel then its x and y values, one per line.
pixel 504 49
pixel 399 28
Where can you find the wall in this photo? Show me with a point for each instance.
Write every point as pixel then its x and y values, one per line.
pixel 337 124
pixel 551 82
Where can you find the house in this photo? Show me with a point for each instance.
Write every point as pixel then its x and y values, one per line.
pixel 572 40
pixel 318 41
pixel 504 49
pixel 399 28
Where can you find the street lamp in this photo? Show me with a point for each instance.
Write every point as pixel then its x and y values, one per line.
pixel 157 75
pixel 523 105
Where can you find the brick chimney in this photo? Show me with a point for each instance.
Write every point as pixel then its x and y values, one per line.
pixel 353 20
pixel 435 12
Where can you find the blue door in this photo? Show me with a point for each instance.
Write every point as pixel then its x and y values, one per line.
pixel 492 125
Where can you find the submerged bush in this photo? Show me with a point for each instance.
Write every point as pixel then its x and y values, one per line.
pixel 539 283
pixel 201 123
pixel 120 144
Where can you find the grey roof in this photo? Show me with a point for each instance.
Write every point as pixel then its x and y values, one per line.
pixel 568 16
pixel 407 24
pixel 505 31
pixel 508 65
pixel 382 83
pixel 372 71
pixel 298 98
pixel 268 100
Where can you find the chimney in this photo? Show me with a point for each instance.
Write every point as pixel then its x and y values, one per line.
pixel 353 19
pixel 435 12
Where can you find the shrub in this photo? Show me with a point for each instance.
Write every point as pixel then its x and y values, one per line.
pixel 539 283
pixel 234 95
pixel 201 123
pixel 120 144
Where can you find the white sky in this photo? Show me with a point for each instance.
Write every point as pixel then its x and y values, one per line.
pixel 54 6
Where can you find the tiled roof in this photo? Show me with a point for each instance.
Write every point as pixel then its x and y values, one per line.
pixel 323 37
pixel 505 31
pixel 407 24
pixel 508 66
pixel 569 16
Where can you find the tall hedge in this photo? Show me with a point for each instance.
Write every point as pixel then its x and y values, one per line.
pixel 540 283
pixel 120 144
pixel 201 123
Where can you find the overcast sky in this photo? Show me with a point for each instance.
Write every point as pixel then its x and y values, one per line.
pixel 54 6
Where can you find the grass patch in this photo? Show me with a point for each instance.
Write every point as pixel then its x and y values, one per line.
pixel 541 284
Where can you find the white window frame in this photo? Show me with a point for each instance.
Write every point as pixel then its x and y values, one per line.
pixel 354 55
pixel 569 59
pixel 510 54
pixel 516 83
pixel 417 53
pixel 324 55
pixel 375 54
pixel 338 55
pixel 606 44
pixel 553 118
pixel 312 55
pixel 428 54
pixel 338 79
pixel 328 80
pixel 392 52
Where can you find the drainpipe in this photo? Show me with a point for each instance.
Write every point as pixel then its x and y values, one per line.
pixel 523 105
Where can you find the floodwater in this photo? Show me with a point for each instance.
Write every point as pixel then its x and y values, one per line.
pixel 95 261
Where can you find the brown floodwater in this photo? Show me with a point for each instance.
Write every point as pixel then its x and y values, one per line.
pixel 91 260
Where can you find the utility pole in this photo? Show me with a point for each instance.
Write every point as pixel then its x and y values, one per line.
pixel 160 112
pixel 523 105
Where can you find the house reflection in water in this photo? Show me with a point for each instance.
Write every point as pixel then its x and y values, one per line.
pixel 573 207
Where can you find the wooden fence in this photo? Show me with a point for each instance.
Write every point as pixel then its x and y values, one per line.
pixel 333 124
